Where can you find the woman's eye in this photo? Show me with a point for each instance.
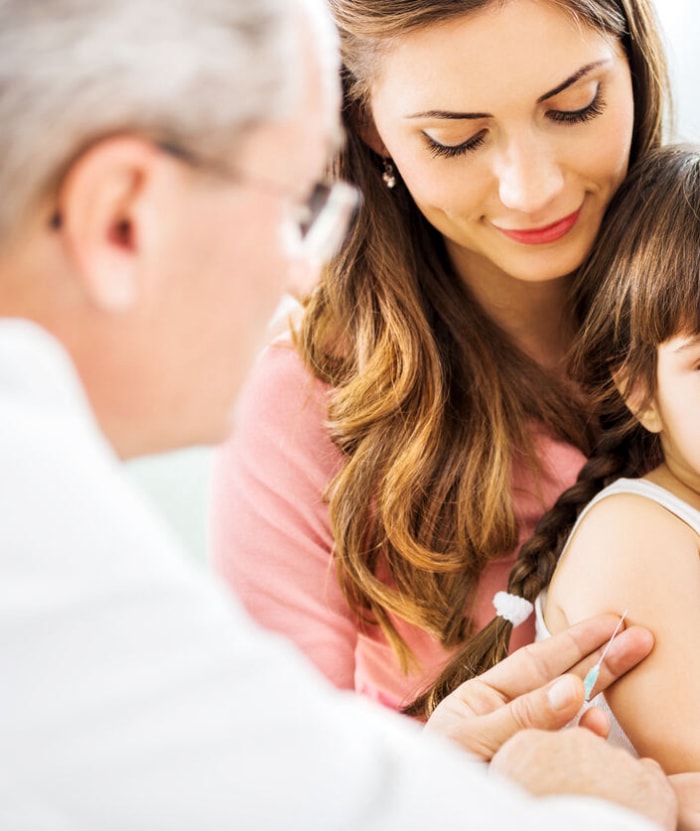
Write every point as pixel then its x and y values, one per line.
pixel 449 151
pixel 592 110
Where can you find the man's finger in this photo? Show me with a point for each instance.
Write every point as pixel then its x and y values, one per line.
pixel 552 706
pixel 537 664
pixel 626 651
pixel 548 708
pixel 595 720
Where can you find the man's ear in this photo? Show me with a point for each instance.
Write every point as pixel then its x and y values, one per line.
pixel 643 408
pixel 103 211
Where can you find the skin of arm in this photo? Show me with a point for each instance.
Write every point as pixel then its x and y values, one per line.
pixel 631 553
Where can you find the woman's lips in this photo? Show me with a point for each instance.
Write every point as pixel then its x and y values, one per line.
pixel 545 234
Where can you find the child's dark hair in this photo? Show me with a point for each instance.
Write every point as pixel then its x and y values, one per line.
pixel 640 287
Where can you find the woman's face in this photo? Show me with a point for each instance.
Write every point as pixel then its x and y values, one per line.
pixel 511 128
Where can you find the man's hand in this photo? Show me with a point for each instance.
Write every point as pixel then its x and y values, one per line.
pixel 578 762
pixel 493 715
pixel 526 690
pixel 687 788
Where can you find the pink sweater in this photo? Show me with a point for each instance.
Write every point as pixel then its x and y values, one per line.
pixel 272 542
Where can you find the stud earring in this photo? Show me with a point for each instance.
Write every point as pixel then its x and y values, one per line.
pixel 389 175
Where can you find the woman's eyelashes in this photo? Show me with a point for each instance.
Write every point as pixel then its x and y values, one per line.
pixel 592 110
pixel 451 150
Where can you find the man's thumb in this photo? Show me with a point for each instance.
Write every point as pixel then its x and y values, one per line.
pixel 550 707
pixel 565 694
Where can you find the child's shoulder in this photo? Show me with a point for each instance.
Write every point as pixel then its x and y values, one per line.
pixel 627 534
pixel 630 509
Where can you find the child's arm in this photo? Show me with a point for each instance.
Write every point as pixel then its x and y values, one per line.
pixel 631 553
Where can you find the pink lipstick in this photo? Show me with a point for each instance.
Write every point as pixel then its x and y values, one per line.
pixel 544 235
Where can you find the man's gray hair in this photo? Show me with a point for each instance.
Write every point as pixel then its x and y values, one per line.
pixel 197 72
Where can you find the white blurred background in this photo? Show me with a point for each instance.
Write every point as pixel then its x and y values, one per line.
pixel 178 483
pixel 681 25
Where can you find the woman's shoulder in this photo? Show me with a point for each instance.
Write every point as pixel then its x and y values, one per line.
pixel 280 378
pixel 282 412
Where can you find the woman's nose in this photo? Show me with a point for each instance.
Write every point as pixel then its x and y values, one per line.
pixel 528 176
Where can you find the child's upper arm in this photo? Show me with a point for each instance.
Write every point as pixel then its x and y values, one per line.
pixel 631 553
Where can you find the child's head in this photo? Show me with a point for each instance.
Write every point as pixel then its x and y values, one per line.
pixel 638 301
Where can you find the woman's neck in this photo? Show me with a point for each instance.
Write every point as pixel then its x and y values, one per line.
pixel 530 312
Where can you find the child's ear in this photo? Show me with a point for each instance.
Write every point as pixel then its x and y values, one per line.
pixel 642 407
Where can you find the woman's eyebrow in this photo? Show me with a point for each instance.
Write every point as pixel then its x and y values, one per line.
pixel 457 116
pixel 572 79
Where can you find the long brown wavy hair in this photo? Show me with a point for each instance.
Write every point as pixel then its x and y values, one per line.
pixel 430 400
pixel 640 287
